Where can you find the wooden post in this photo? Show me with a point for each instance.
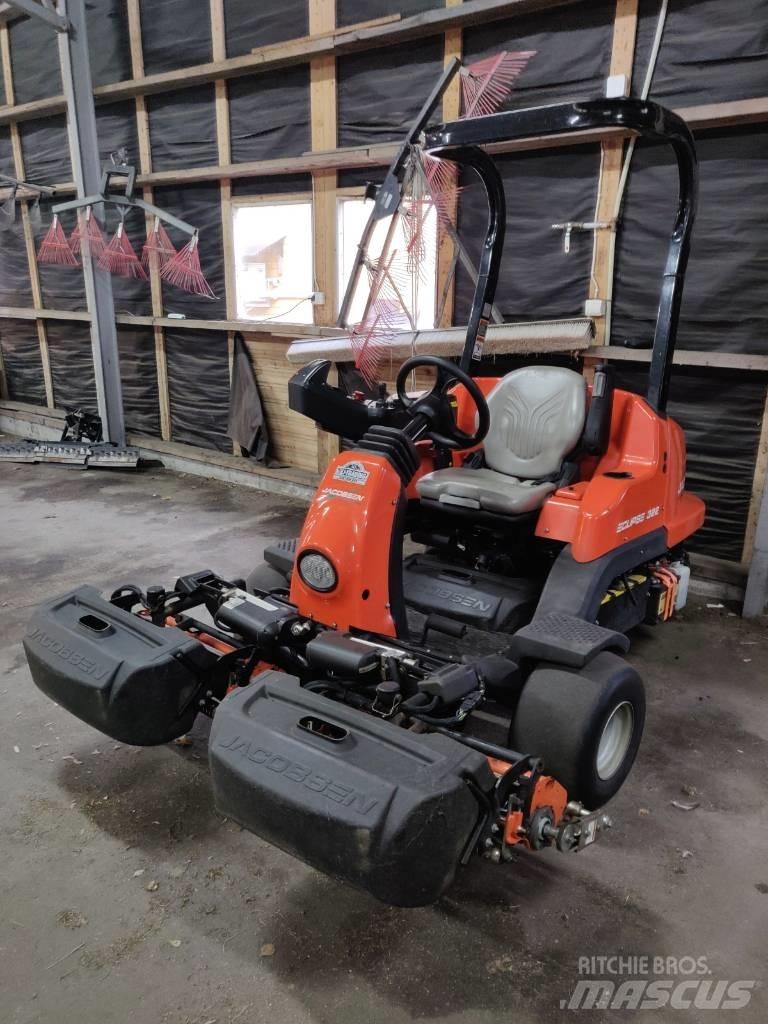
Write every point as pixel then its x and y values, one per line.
pixel 322 71
pixel 29 237
pixel 758 487
pixel 611 159
pixel 145 166
pixel 451 112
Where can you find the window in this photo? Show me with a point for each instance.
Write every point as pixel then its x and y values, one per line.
pixel 274 261
pixel 416 284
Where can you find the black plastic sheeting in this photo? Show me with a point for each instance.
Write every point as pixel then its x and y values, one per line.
pixel 537 279
pixel 34 60
pixel 182 128
pixel 62 287
pixel 286 184
pixel 724 304
pixel 174 34
pixel 45 146
pixel 573 51
pixel 74 380
pixel 20 347
pixel 710 50
pixel 116 128
pixel 130 294
pixel 721 413
pixel 380 92
pixel 6 152
pixel 250 24
pixel 199 205
pixel 269 115
pixel 138 373
pixel 15 286
pixel 198 382
pixel 348 12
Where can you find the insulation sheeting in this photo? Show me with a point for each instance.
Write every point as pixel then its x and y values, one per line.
pixel 269 115
pixel 74 380
pixel 174 34
pixel 45 146
pixel 537 280
pixel 130 294
pixel 116 128
pixel 15 285
pixel 380 92
pixel 721 412
pixel 198 382
pixel 287 184
pixel 108 41
pixel 20 347
pixel 138 374
pixel 349 12
pixel 182 128
pixel 6 152
pixel 710 51
pixel 199 205
pixel 250 24
pixel 34 60
pixel 724 306
pixel 573 51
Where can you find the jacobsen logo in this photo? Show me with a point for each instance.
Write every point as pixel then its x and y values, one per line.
pixel 49 643
pixel 456 597
pixel 302 776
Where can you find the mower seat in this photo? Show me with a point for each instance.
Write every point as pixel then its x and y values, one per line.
pixel 537 417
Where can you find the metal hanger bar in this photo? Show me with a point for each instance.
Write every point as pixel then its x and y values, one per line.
pixel 154 211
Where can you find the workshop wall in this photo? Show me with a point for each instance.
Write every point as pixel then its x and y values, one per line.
pixel 711 51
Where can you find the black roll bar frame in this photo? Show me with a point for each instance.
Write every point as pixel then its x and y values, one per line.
pixel 460 141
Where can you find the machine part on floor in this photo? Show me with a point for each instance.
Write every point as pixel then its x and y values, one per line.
pixel 72 453
pixel 80 425
pixel 389 759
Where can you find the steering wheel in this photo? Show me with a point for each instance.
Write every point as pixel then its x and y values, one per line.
pixel 435 406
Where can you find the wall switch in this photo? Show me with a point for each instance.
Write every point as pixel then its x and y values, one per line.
pixel 594 307
pixel 318 298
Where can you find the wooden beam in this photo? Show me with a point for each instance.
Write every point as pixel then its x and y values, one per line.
pixel 685 357
pixel 446 265
pixel 324 135
pixel 145 167
pixel 298 51
pixel 29 236
pixel 611 161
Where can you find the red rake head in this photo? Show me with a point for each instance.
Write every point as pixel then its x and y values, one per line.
pixel 386 317
pixel 55 248
pixel 158 248
pixel 87 237
pixel 184 271
pixel 486 84
pixel 119 257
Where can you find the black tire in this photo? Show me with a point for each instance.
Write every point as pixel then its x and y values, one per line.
pixel 264 577
pixel 561 717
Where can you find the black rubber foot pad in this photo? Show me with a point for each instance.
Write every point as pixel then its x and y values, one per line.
pixel 566 639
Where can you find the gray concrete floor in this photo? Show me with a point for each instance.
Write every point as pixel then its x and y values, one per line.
pixel 124 897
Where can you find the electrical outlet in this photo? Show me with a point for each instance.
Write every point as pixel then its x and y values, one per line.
pixel 616 86
pixel 318 298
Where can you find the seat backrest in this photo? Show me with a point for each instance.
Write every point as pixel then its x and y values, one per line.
pixel 537 416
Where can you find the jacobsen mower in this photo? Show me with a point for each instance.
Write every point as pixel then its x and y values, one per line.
pixel 547 514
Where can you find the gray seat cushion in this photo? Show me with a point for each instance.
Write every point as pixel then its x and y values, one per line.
pixel 537 416
pixel 484 489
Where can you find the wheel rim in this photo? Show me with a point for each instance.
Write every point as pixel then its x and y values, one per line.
pixel 615 740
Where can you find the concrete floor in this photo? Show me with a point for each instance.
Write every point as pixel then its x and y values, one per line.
pixel 124 896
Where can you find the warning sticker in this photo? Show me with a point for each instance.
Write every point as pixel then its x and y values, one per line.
pixel 352 473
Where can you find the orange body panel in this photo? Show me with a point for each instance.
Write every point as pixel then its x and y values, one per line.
pixel 352 521
pixel 644 491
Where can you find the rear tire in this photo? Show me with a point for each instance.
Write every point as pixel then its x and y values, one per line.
pixel 585 724
pixel 264 577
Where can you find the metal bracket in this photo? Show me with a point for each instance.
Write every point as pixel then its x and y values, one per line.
pixel 30 8
pixel 587 225
pixel 125 202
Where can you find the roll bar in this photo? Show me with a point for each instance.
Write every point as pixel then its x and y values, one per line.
pixel 459 141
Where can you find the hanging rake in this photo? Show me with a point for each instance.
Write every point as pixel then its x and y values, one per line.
pixel 184 271
pixel 86 236
pixel 487 83
pixel 55 247
pixel 119 257
pixel 158 248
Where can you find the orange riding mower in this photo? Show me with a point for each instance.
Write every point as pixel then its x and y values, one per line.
pixel 387 718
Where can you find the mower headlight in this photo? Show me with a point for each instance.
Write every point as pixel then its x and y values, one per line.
pixel 317 572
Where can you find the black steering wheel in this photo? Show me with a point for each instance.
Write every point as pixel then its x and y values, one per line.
pixel 436 407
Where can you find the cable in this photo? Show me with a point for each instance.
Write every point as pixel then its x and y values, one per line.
pixel 284 312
